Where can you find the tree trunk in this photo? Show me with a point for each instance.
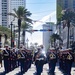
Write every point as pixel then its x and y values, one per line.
pixel 23 37
pixel 19 25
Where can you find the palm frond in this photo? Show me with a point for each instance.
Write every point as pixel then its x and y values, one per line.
pixel 28 20
pixel 27 13
pixel 20 11
pixel 15 10
pixel 56 36
pixel 25 25
pixel 13 14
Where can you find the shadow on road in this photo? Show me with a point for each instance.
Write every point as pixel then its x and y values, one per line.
pixel 2 73
pixel 19 73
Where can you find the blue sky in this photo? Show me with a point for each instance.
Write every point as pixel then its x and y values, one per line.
pixel 40 8
pixel 43 11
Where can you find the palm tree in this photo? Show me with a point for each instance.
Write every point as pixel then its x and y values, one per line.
pixel 68 16
pixel 6 33
pixel 55 37
pixel 59 15
pixel 24 27
pixel 22 14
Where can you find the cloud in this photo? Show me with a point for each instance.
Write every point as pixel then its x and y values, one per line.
pixel 44 19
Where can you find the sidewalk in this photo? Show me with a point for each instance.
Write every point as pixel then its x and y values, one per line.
pixel 32 70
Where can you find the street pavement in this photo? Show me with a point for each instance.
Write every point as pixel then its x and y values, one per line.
pixel 32 70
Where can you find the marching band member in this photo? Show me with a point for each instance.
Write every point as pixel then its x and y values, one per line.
pixel 13 59
pixel 1 52
pixel 52 59
pixel 39 61
pixel 62 59
pixel 6 54
pixel 69 61
pixel 21 58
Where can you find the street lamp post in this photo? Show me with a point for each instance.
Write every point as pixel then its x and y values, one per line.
pixel 11 34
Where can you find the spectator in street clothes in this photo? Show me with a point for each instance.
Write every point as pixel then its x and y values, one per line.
pixel 52 59
pixel 39 59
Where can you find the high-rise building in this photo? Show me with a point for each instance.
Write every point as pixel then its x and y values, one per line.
pixel 3 12
pixel 7 6
pixel 47 34
pixel 66 4
pixel 15 4
pixel 63 30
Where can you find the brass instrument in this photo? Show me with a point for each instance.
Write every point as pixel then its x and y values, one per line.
pixel 1 51
pixel 69 57
pixel 52 56
pixel 18 56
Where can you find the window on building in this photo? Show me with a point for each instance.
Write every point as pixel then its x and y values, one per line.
pixel 66 4
pixel 74 4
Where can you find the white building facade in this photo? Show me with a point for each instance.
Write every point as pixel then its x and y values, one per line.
pixel 71 35
pixel 15 4
pixel 7 6
pixel 47 34
pixel 3 12
pixel 66 4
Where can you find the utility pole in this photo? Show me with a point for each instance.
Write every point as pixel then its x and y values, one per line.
pixel 11 34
